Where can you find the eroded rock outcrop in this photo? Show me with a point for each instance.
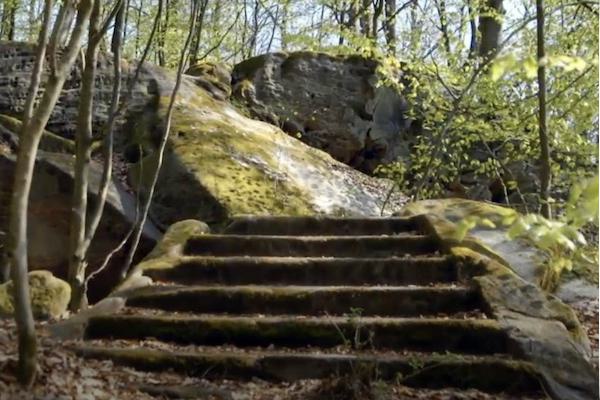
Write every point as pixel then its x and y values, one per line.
pixel 333 103
pixel 220 163
pixel 50 212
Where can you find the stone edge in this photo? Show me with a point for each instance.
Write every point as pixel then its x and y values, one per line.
pixel 550 337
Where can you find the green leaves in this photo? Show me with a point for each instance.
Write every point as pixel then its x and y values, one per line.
pixel 503 65
pixel 560 239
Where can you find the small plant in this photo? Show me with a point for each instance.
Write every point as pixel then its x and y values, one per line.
pixel 560 239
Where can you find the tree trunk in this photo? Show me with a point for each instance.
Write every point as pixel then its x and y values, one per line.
pixel 377 12
pixel 283 27
pixel 545 176
pixel 83 155
pixel 161 149
pixel 490 28
pixel 365 18
pixel 353 12
pixel 390 25
pixel 30 135
pixel 195 47
pixel 441 7
pixel 9 14
pixel 473 30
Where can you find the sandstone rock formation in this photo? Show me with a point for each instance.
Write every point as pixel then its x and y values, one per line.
pixel 331 102
pixel 49 214
pixel 220 163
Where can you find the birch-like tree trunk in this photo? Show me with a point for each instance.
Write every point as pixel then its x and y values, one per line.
pixel 390 26
pixel 161 148
pixel 30 135
pixel 83 155
pixel 545 171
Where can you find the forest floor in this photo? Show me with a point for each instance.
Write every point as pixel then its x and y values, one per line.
pixel 62 375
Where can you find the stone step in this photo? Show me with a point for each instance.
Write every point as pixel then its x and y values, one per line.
pixel 310 246
pixel 308 271
pixel 470 336
pixel 309 300
pixel 319 225
pixel 486 373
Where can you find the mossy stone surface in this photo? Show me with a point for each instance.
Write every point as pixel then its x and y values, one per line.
pixel 520 255
pixel 49 296
pixel 219 164
pixel 49 141
pixel 176 236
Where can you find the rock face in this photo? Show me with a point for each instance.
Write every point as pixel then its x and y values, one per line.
pixel 49 295
pixel 330 102
pixel 215 78
pixel 220 163
pixel 525 260
pixel 49 215
pixel 16 64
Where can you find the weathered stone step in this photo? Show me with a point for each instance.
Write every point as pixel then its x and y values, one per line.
pixel 471 336
pixel 309 271
pixel 490 374
pixel 319 225
pixel 310 246
pixel 309 300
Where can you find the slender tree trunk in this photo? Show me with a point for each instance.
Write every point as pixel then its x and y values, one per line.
pixel 365 18
pixel 283 27
pixel 377 12
pixel 30 136
pixel 390 25
pixel 161 149
pixel 137 29
pixel 441 7
pixel 545 169
pixel 126 21
pixel 162 35
pixel 490 27
pixel 255 28
pixel 195 47
pixel 9 14
pixel 415 30
pixel 80 235
pixel 321 22
pixel 215 22
pixel 352 23
pixel 472 30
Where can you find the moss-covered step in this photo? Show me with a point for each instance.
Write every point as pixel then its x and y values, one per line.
pixel 318 225
pixel 310 300
pixel 308 271
pixel 310 246
pixel 486 373
pixel 471 336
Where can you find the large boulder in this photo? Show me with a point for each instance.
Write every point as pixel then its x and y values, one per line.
pixel 49 296
pixel 333 103
pixel 50 213
pixel 220 163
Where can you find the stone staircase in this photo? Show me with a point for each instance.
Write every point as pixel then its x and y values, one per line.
pixel 284 299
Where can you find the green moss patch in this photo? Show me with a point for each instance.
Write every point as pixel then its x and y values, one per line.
pixel 49 295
